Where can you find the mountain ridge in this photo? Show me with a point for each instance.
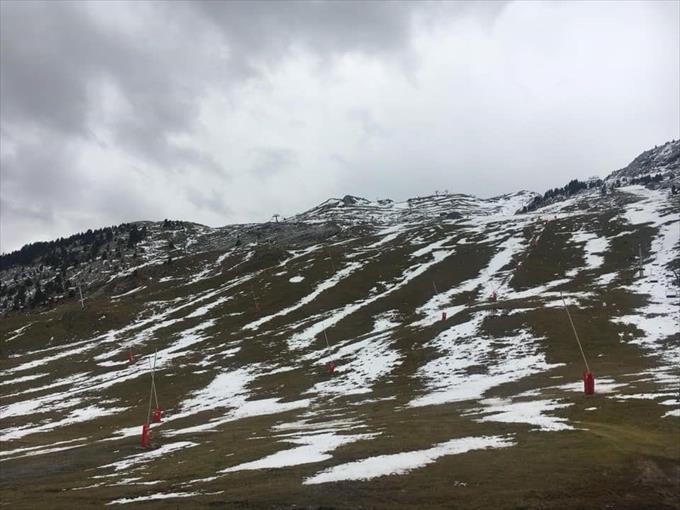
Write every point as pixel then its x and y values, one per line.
pixel 117 246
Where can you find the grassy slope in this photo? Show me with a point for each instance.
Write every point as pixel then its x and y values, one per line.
pixel 624 455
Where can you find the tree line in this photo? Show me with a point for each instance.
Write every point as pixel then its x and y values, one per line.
pixel 69 251
pixel 573 187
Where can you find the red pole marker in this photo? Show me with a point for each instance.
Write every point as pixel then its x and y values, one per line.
pixel 443 316
pixel 157 414
pixel 146 435
pixel 588 383
pixel 131 358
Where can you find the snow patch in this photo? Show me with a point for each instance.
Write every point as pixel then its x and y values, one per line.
pixel 402 463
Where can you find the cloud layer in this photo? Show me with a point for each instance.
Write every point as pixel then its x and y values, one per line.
pixel 223 112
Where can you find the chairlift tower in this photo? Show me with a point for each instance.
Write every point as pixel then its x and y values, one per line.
pixel 640 267
pixel 81 298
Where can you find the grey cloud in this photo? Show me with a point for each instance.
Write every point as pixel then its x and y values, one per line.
pixel 268 29
pixel 367 122
pixel 44 187
pixel 54 55
pixel 31 212
pixel 54 59
pixel 270 161
pixel 43 65
pixel 214 200
pixel 16 218
pixel 37 176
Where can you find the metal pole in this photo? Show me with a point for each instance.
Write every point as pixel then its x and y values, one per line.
pixel 252 289
pixel 153 378
pixel 575 333
pixel 148 415
pixel 640 259
pixel 330 256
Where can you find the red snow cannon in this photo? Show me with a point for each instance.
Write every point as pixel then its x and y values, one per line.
pixel 330 367
pixel 156 415
pixel 131 358
pixel 493 297
pixel 443 316
pixel 146 435
pixel 588 383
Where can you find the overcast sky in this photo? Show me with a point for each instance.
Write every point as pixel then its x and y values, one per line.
pixel 230 112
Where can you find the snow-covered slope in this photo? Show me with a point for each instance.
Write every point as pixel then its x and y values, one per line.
pixel 663 159
pixel 442 205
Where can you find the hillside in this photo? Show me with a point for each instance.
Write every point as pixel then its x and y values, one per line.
pixel 441 396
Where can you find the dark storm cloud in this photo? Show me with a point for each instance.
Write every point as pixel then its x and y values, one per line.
pixel 44 60
pixel 268 30
pixel 54 54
